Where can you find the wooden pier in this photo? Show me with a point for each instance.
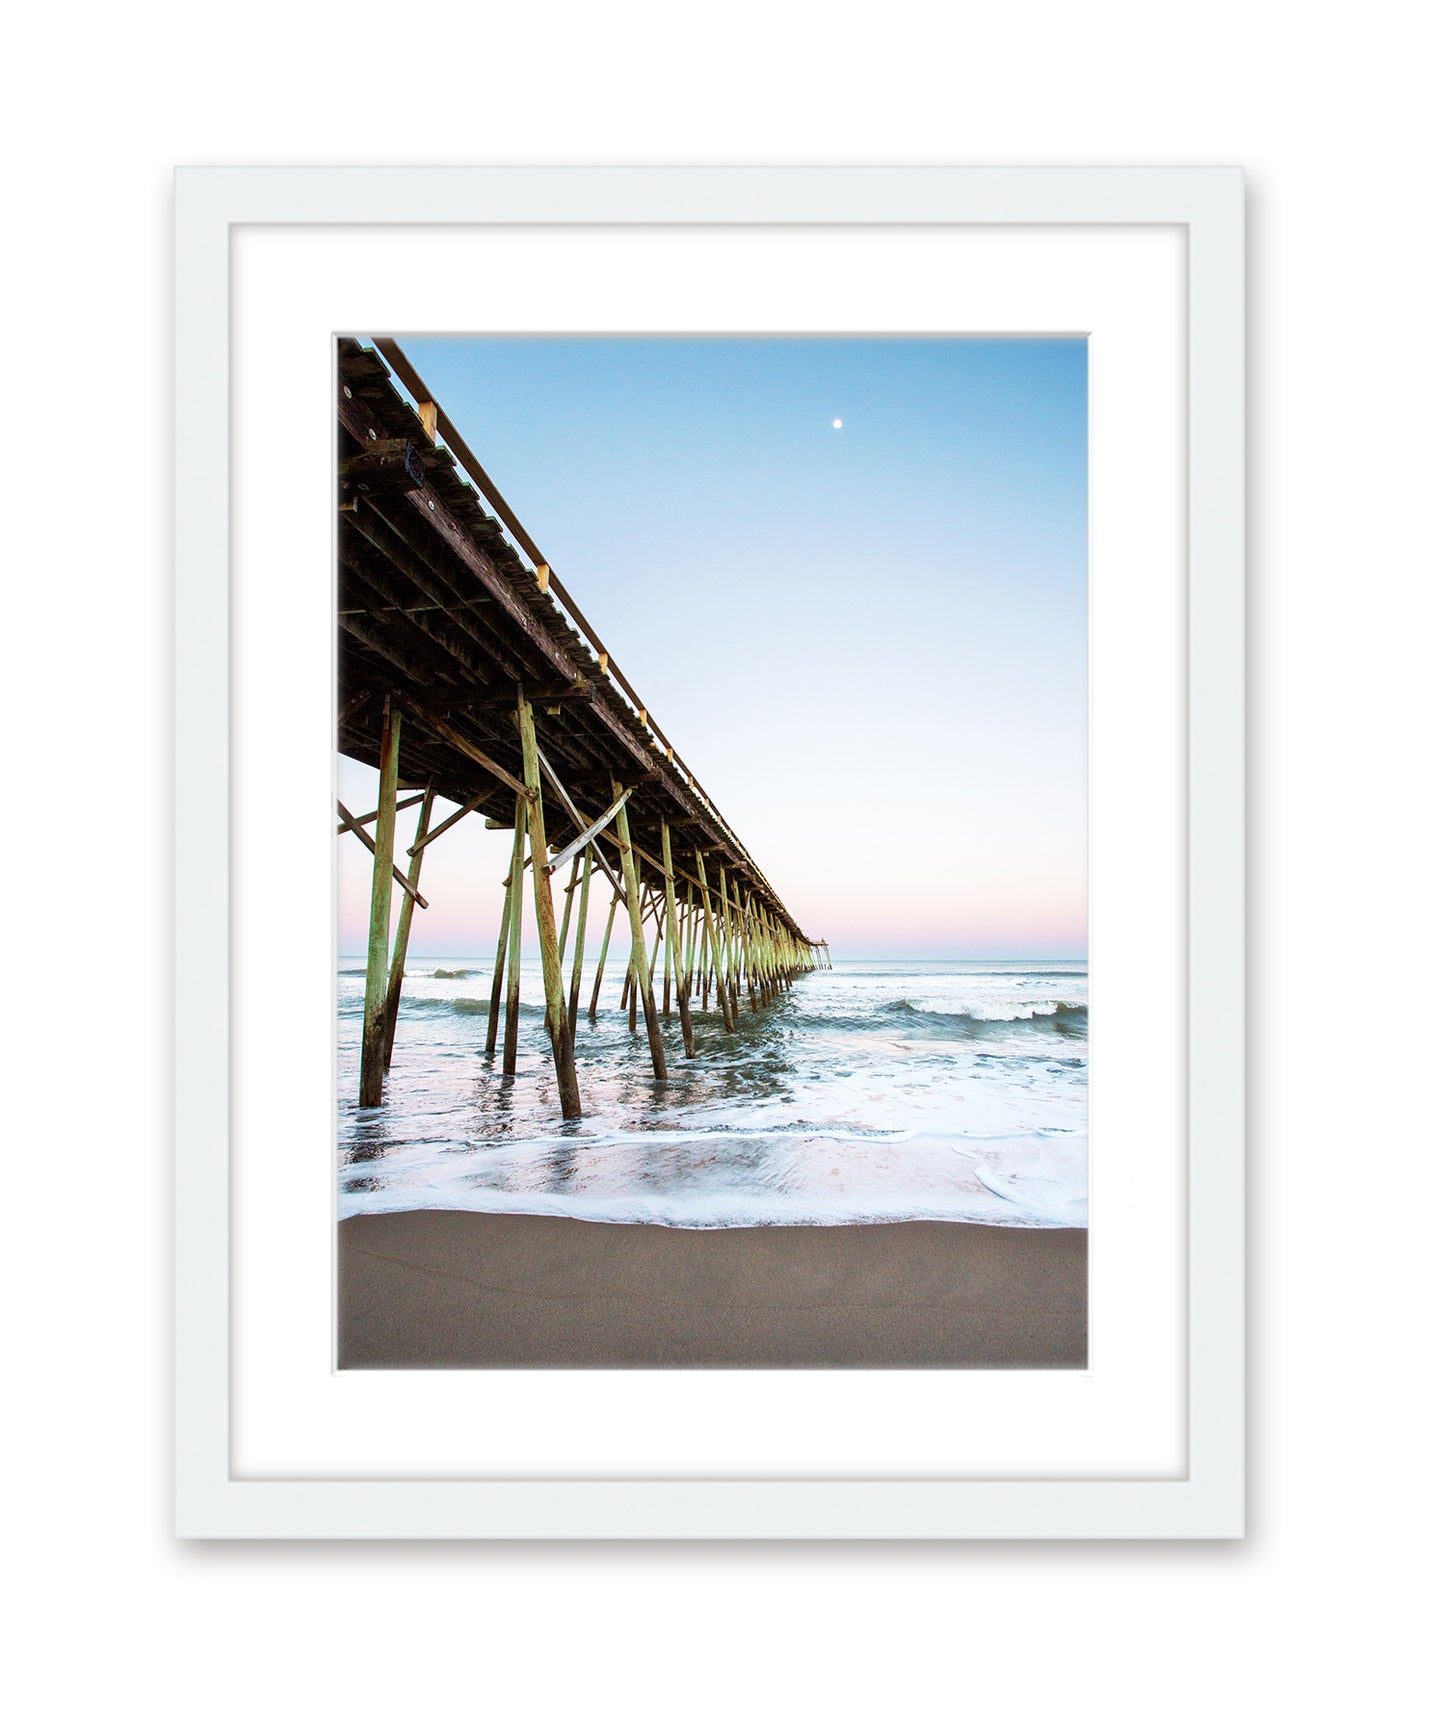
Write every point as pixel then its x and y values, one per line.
pixel 467 673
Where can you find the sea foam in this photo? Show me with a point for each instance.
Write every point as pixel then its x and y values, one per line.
pixel 872 1093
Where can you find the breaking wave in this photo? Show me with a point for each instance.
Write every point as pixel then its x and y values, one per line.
pixel 871 1093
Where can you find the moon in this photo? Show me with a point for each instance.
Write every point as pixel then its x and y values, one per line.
pixel 837 424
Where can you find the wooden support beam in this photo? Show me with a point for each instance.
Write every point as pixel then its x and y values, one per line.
pixel 577 819
pixel 639 941
pixel 691 925
pixel 403 930
pixel 447 698
pixel 499 966
pixel 576 990
pixel 356 702
pixel 674 945
pixel 354 826
pixel 602 960
pixel 564 855
pixel 446 824
pixel 562 1056
pixel 514 943
pixel 378 944
pixel 716 948
pixel 384 467
pixel 726 988
pixel 440 726
pixel 566 907
pixel 366 818
pixel 381 552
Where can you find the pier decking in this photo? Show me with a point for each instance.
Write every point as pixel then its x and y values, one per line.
pixel 468 673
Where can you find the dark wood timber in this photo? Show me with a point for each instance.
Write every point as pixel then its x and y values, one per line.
pixel 384 466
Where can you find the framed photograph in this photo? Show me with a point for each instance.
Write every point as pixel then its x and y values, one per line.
pixel 709 787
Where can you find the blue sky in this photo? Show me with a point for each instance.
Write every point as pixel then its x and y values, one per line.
pixel 868 641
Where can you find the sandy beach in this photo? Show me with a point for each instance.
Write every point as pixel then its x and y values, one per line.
pixel 446 1288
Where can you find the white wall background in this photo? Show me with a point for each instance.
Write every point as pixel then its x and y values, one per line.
pixel 1319 1620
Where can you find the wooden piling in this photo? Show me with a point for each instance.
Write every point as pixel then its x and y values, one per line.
pixel 716 947
pixel 403 934
pixel 749 959
pixel 562 1057
pixel 378 942
pixel 514 943
pixel 674 945
pixel 689 926
pixel 728 985
pixel 602 960
pixel 639 940
pixel 504 930
pixel 499 968
pixel 581 941
pixel 567 906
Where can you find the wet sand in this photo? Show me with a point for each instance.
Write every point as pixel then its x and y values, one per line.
pixel 447 1288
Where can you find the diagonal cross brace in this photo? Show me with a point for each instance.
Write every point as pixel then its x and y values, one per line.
pixel 354 827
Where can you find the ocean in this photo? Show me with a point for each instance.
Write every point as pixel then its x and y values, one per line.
pixel 874 1092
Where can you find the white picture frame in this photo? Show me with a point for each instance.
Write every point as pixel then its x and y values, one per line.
pixel 1206 1501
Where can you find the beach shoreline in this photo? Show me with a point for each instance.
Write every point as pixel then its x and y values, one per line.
pixel 459 1289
